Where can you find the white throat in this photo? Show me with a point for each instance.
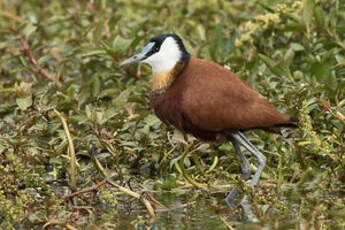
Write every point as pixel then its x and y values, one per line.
pixel 167 57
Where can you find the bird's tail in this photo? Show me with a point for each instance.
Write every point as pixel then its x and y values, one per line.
pixel 292 123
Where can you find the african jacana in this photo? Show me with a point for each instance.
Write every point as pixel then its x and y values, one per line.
pixel 202 98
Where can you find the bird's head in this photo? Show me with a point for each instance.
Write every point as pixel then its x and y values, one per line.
pixel 162 53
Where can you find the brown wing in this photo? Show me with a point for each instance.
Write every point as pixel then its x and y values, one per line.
pixel 216 99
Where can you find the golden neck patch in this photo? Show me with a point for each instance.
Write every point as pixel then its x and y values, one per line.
pixel 163 80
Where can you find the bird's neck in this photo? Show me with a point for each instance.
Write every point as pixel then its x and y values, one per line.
pixel 163 80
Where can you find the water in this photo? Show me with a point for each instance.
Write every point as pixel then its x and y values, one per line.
pixel 295 208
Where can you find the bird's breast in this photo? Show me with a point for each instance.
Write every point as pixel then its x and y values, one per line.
pixel 167 108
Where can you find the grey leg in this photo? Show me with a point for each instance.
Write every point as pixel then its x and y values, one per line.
pixel 246 167
pixel 246 171
pixel 251 148
pixel 239 138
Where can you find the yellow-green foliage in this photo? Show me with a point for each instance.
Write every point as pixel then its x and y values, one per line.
pixel 65 55
pixel 312 139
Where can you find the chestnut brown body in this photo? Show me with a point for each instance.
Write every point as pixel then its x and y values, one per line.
pixel 212 103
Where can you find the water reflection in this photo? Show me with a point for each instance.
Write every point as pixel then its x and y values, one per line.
pixel 295 208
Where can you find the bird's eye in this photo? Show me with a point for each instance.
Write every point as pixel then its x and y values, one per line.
pixel 156 49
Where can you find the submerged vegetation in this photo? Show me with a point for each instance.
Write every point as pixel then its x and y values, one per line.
pixel 72 120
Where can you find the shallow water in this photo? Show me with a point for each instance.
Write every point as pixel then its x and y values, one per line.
pixel 303 209
pixel 181 214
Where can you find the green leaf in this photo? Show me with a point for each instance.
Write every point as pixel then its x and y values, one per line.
pixel 84 95
pixel 226 147
pixel 280 68
pixel 340 59
pixel 151 119
pixel 156 156
pixel 96 86
pixel 24 102
pixel 24 87
pixel 5 107
pixel 321 71
pixel 296 46
pixel 170 182
pixel 121 44
pixel 308 13
pixel 85 52
pixel 122 98
pixel 100 117
pixel 44 58
pixel 28 30
pixel 108 93
pixel 90 112
pixel 110 113
pixel 215 41
pixel 319 17
pixel 103 117
pixel 289 56
pixel 97 33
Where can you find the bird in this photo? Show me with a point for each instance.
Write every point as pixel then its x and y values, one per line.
pixel 204 99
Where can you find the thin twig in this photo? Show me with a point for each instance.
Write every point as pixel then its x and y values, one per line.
pixel 8 14
pixel 336 113
pixel 154 201
pixel 214 164
pixel 33 60
pixel 73 182
pixel 90 189
pixel 145 201
pixel 136 195
pixel 228 226
pixel 335 38
pixel 179 164
pixel 99 166
pixel 53 221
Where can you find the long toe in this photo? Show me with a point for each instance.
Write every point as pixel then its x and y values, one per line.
pixel 231 197
pixel 248 212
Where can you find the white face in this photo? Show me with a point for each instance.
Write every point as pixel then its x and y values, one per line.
pixel 166 58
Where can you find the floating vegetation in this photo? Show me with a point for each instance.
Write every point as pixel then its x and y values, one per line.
pixel 81 149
